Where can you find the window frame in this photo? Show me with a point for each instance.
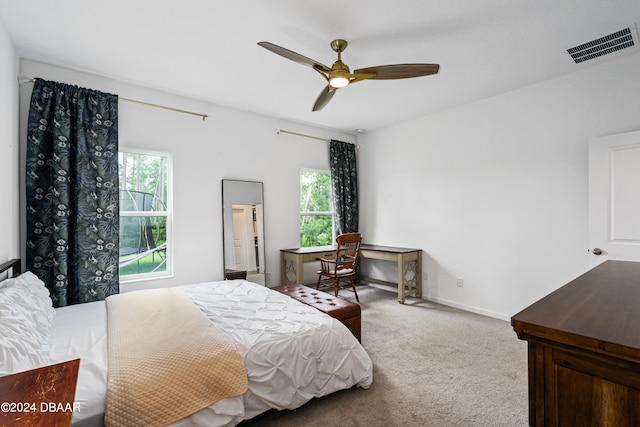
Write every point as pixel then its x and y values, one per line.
pixel 315 213
pixel 167 213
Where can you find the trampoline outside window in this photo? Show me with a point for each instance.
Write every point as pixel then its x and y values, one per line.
pixel 145 215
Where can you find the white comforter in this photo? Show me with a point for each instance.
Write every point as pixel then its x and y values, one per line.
pixel 294 352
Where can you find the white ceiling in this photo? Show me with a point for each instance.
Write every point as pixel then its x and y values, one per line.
pixel 206 49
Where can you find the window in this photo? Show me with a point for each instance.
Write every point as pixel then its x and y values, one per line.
pixel 316 208
pixel 145 214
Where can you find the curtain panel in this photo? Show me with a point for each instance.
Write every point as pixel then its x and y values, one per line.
pixel 344 180
pixel 72 192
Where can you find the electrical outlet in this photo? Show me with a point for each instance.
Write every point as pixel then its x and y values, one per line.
pixel 460 283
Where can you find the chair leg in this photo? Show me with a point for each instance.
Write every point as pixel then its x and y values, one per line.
pixel 353 285
pixel 336 286
pixel 319 279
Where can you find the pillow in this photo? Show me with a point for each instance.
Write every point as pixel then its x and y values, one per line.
pixel 34 292
pixel 26 316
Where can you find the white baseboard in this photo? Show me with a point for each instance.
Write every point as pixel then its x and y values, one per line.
pixel 469 308
pixel 448 303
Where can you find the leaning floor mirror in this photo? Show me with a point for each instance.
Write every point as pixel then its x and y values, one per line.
pixel 243 230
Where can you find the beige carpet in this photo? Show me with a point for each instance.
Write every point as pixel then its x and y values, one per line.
pixel 434 366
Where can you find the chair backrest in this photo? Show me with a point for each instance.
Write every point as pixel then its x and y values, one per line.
pixel 348 249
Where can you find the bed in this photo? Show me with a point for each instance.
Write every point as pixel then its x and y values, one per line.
pixel 291 352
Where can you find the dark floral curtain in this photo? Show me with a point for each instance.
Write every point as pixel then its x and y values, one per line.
pixel 344 180
pixel 72 192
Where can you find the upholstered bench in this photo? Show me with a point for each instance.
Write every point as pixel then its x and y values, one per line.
pixel 345 311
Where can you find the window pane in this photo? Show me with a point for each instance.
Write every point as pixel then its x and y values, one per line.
pixel 144 183
pixel 316 209
pixel 143 244
pixel 316 192
pixel 135 201
pixel 144 173
pixel 316 230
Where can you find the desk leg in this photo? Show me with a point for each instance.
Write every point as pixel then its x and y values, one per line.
pixel 409 285
pixel 299 269
pixel 401 278
pixel 419 276
pixel 291 267
pixel 284 269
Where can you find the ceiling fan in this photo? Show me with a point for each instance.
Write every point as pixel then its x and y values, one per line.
pixel 339 76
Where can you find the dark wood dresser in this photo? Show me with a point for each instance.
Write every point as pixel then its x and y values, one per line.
pixel 584 350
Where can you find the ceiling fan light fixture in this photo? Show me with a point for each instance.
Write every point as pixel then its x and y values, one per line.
pixel 338 82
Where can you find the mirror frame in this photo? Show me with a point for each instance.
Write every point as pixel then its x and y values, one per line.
pixel 246 193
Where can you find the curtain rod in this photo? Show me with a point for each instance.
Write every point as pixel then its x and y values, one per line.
pixel 279 131
pixel 177 110
pixel 135 101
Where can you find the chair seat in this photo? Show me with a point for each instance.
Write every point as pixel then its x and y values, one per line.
pixel 339 272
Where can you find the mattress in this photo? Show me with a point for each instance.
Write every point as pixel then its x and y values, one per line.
pixel 294 353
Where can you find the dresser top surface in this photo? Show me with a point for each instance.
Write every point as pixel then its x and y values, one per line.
pixel 600 309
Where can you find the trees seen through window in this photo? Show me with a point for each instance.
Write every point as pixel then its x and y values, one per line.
pixel 316 208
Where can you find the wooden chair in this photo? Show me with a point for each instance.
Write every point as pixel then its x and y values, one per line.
pixel 344 266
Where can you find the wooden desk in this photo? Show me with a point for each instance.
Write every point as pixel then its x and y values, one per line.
pixel 409 265
pixel 584 350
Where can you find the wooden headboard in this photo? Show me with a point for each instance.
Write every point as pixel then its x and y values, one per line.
pixel 15 265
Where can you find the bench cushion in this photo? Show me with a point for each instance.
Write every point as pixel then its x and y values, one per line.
pixel 345 311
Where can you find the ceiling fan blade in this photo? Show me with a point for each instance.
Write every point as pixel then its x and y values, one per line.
pixel 324 98
pixel 399 71
pixel 293 56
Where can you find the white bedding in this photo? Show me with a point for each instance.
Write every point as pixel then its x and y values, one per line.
pixel 294 352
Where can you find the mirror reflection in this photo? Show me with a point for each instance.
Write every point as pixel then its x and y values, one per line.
pixel 243 230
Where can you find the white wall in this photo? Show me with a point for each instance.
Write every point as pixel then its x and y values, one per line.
pixel 495 192
pixel 9 165
pixel 230 144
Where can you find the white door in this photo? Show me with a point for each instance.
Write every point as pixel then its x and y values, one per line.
pixel 614 198
pixel 239 217
pixel 244 237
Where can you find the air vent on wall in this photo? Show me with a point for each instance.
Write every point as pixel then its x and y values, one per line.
pixel 614 42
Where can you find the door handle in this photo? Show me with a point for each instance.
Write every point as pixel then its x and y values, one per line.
pixel 596 251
